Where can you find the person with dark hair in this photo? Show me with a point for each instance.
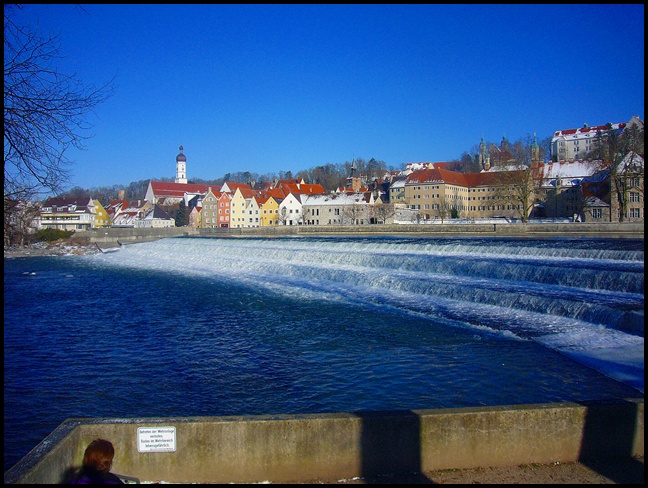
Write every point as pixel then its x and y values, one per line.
pixel 97 462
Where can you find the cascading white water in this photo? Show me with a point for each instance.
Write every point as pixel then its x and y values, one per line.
pixel 543 289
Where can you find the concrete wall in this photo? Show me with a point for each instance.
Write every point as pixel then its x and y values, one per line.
pixel 343 445
pixel 110 236
pixel 625 229
pixel 131 234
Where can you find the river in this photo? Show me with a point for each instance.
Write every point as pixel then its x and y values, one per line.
pixel 247 325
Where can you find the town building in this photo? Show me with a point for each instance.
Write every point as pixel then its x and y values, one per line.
pixel 573 144
pixel 132 213
pixel 559 193
pixel 75 214
pixel 625 182
pixel 239 206
pixel 169 193
pixel 436 193
pixel 114 208
pixel 209 209
pixel 155 217
pixel 290 210
pixel 102 219
pixel 397 189
pixel 345 208
pixel 269 202
pixel 195 217
pixel 224 209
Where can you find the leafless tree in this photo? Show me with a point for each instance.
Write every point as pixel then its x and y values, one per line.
pixel 352 214
pixel 517 188
pixel 622 155
pixel 20 218
pixel 283 216
pixel 444 208
pixel 45 111
pixel 384 212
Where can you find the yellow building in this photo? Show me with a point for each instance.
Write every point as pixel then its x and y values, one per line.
pixel 101 217
pixel 437 193
pixel 269 212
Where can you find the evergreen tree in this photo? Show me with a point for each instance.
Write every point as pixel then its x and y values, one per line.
pixel 182 217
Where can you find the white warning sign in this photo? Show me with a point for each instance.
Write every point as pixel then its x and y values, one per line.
pixel 156 439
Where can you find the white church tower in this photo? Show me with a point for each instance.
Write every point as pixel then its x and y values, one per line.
pixel 181 168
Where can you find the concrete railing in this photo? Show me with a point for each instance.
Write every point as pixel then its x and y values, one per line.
pixel 304 448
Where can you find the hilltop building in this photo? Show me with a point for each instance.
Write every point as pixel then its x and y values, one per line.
pixel 573 144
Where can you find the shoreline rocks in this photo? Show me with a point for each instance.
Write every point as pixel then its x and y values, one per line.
pixel 57 248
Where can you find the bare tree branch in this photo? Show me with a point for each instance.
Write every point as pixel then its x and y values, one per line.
pixel 44 111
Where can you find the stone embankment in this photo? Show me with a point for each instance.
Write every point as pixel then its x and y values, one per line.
pixel 96 240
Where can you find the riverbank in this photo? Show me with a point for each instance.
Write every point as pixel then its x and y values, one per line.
pixel 57 248
pixel 93 242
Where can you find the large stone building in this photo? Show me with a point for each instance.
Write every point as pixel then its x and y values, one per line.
pixel 439 193
pixel 574 144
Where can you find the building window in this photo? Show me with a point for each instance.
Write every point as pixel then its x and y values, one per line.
pixel 635 213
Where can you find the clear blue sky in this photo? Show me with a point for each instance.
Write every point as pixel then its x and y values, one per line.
pixel 275 88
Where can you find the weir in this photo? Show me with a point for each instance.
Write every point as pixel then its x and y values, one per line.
pixel 301 448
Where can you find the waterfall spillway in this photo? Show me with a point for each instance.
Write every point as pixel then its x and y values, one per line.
pixel 482 282
pixel 567 294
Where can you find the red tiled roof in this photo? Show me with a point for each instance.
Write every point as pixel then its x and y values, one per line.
pixel 584 130
pixel 177 189
pixel 425 176
pixel 234 186
pixel 276 193
pixel 246 191
pixel 312 189
pixel 449 165
pixel 454 178
pixel 288 187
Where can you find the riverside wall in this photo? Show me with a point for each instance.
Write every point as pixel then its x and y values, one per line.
pixel 301 448
pixel 109 237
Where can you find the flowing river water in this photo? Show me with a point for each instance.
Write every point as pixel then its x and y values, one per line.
pixel 233 326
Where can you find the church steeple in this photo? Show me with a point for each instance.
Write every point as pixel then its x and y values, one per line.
pixel 354 180
pixel 482 153
pixel 505 144
pixel 181 167
pixel 535 149
pixel 354 168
